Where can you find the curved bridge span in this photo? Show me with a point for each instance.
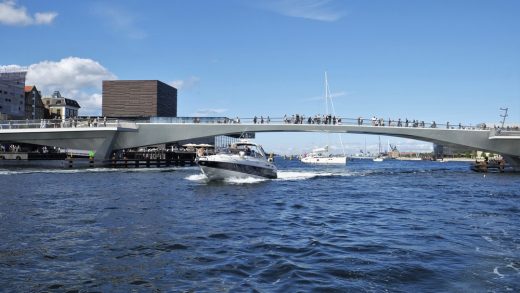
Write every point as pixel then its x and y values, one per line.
pixel 114 135
pixel 487 140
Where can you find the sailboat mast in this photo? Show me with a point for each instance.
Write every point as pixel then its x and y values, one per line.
pixel 326 95
pixel 328 99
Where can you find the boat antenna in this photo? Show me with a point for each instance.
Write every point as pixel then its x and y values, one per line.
pixel 503 115
pixel 243 133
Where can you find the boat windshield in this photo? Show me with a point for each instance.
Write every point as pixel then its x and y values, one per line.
pixel 250 150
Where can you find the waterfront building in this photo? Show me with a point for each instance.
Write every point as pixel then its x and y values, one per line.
pixel 139 98
pixel 12 93
pixel 60 107
pixel 34 108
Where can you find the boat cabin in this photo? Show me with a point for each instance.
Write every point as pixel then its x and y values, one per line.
pixel 247 149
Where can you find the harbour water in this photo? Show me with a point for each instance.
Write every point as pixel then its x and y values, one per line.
pixel 391 226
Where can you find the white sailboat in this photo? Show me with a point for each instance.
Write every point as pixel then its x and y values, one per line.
pixel 379 157
pixel 322 155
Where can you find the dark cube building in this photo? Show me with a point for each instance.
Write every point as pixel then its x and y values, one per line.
pixel 139 98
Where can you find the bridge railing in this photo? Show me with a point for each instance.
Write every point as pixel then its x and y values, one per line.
pixel 293 119
pixel 316 119
pixel 61 123
pixel 320 120
pixel 506 131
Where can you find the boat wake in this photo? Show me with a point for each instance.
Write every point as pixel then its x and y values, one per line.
pixel 246 180
pixel 295 175
pixel 282 176
pixel 197 177
pixel 232 180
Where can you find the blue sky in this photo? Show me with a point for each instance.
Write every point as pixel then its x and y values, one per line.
pixel 455 61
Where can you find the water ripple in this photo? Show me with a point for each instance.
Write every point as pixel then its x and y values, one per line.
pixel 394 227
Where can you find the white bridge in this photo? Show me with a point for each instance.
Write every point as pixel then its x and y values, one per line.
pixel 103 137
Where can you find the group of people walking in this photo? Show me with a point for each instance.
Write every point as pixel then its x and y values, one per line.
pixel 316 119
pixel 399 123
pixel 73 122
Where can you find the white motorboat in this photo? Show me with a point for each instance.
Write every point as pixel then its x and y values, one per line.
pixel 322 156
pixel 241 160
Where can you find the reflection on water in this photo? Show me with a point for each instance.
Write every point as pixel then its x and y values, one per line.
pixel 396 226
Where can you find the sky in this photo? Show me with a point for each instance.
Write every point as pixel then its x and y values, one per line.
pixel 455 60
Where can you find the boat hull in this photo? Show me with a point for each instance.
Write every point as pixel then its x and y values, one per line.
pixel 220 169
pixel 325 160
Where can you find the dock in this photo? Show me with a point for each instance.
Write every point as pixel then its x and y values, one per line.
pixel 155 159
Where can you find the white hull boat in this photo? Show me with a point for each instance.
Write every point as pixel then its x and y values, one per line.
pixel 321 156
pixel 242 160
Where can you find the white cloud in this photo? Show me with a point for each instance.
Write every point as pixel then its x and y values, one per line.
pixel 320 10
pixel 44 17
pixel 68 74
pixel 209 112
pixel 120 21
pixel 185 84
pixel 76 78
pixel 11 14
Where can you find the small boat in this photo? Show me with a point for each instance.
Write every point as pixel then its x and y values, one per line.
pixel 379 157
pixel 493 166
pixel 322 156
pixel 241 160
